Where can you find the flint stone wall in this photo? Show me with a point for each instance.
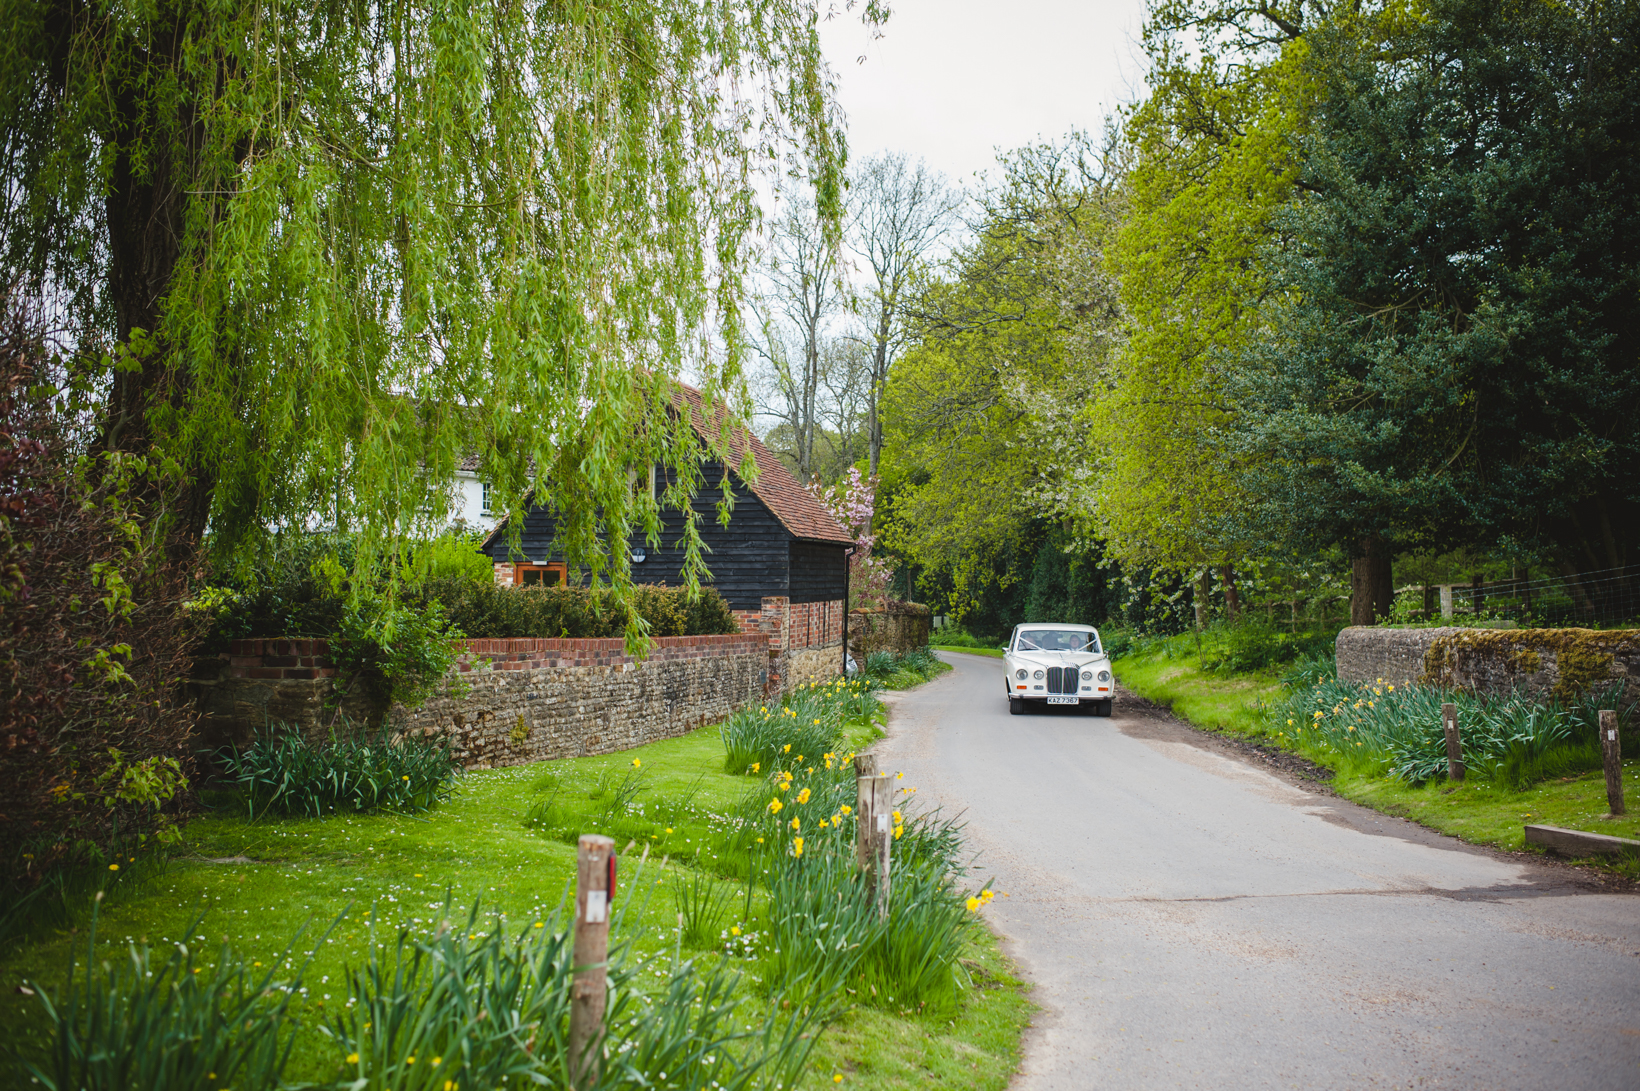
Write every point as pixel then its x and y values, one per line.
pixel 508 701
pixel 899 628
pixel 1543 663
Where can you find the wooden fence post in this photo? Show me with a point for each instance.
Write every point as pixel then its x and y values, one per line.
pixel 594 895
pixel 865 807
pixel 883 823
pixel 1611 749
pixel 1454 742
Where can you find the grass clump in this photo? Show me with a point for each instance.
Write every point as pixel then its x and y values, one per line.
pixel 283 773
pixel 172 1021
pixel 1398 731
pixel 806 722
pixel 902 671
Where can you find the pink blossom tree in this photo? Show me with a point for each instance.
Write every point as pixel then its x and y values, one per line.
pixel 852 502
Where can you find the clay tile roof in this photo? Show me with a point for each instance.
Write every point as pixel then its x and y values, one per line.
pixel 795 507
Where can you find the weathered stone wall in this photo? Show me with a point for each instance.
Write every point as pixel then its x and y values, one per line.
pixel 1367 653
pixel 509 701
pixel 1540 662
pixel 901 627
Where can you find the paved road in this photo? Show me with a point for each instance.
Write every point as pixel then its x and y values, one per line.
pixel 1190 920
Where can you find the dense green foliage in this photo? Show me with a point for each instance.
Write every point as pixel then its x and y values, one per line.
pixel 285 773
pixel 1446 356
pixel 1346 306
pixel 311 257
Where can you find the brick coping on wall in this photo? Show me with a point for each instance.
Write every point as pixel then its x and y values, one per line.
pixel 307 658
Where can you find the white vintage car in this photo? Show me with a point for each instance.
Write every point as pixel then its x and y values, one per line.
pixel 1057 664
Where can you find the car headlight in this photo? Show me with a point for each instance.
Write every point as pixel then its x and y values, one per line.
pixel 1021 673
pixel 1039 674
pixel 1104 676
pixel 1086 675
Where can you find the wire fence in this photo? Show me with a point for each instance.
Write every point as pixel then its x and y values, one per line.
pixel 1607 597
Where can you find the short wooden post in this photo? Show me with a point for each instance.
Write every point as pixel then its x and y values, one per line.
pixel 1454 742
pixel 883 822
pixel 1611 748
pixel 865 808
pixel 594 895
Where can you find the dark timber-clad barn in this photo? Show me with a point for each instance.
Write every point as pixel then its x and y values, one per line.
pixel 781 563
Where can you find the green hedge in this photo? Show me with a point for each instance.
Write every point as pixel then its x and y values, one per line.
pixel 486 611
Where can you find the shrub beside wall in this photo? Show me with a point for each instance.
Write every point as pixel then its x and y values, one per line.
pixel 94 738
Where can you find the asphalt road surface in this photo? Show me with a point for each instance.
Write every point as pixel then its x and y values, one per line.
pixel 1189 919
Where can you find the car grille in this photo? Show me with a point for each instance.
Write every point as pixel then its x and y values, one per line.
pixel 1062 679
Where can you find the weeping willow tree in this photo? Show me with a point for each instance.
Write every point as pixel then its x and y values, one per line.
pixel 309 255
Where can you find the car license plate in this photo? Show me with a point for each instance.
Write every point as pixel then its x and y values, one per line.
pixel 1062 700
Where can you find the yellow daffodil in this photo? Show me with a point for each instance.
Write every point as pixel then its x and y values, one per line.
pixel 352 1058
pixel 787 749
pixel 756 765
pixel 775 806
pixel 797 823
pixel 846 809
pixel 734 929
pixel 636 762
pixel 803 796
pixel 797 846
pixel 973 905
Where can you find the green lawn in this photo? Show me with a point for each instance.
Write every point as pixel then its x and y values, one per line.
pixel 254 884
pixel 1478 811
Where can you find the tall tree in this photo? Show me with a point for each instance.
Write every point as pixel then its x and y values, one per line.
pixel 1448 358
pixel 314 254
pixel 987 414
pixel 804 298
pixel 901 213
pixel 1210 162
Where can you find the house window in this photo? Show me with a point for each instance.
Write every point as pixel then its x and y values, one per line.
pixel 642 482
pixel 485 510
pixel 538 575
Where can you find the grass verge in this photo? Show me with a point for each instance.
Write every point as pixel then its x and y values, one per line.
pixel 504 840
pixel 994 653
pixel 1479 811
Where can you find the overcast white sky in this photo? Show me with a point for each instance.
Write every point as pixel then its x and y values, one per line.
pixel 952 81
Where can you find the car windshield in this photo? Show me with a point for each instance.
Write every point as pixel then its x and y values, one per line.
pixel 1056 640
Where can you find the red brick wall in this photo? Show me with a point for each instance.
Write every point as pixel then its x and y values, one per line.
pixel 790 626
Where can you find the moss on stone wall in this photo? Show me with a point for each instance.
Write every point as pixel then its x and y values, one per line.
pixel 1486 658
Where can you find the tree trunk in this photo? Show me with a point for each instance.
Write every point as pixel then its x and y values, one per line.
pixel 1232 601
pixel 1371 587
pixel 146 208
pixel 1203 590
